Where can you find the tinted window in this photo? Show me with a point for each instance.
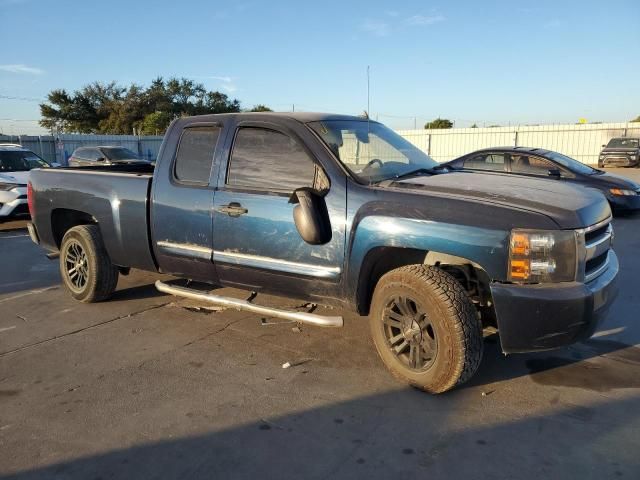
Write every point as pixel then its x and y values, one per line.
pixel 531 165
pixel 623 143
pixel 486 161
pixel 269 160
pixel 195 154
pixel 120 153
pixel 20 161
pixel 81 153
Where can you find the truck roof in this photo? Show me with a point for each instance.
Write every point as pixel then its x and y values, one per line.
pixel 302 117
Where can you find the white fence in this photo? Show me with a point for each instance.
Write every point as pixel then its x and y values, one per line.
pixel 59 149
pixel 582 142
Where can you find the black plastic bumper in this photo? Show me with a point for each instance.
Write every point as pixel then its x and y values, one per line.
pixel 546 316
pixel 625 202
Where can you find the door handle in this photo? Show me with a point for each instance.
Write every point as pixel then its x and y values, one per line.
pixel 234 209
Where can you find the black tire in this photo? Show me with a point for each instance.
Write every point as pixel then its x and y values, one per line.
pixel 434 316
pixel 85 267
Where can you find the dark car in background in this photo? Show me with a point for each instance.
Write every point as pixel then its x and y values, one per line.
pixel 620 152
pixel 92 156
pixel 622 194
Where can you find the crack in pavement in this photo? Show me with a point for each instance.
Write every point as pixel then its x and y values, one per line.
pixel 195 340
pixel 57 337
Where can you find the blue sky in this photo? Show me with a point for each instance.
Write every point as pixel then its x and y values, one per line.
pixel 502 62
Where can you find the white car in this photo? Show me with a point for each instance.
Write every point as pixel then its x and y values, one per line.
pixel 15 163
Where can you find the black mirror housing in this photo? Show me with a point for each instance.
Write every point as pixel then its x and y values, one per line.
pixel 555 172
pixel 311 216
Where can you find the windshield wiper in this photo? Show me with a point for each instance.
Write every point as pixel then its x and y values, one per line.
pixel 413 173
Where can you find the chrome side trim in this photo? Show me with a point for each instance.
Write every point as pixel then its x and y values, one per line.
pixel 599 271
pixel 303 317
pixel 275 264
pixel 185 250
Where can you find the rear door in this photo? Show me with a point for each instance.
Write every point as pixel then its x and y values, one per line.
pixel 256 243
pixel 182 202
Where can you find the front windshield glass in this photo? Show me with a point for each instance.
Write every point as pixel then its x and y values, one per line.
pixel 623 143
pixel 20 161
pixel 121 154
pixel 571 164
pixel 371 151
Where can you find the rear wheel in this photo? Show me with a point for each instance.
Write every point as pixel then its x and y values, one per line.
pixel 85 267
pixel 425 328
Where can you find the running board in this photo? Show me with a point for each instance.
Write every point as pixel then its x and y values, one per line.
pixel 303 317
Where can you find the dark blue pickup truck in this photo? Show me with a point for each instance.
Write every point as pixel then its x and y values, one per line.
pixel 341 211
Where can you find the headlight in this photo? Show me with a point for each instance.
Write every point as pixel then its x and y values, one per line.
pixel 621 192
pixel 7 186
pixel 542 256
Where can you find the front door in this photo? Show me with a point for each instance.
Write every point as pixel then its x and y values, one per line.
pixel 256 243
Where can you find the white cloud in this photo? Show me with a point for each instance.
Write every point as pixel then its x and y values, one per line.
pixel 424 19
pixel 20 68
pixel 376 27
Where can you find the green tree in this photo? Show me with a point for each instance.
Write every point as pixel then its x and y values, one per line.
pixel 637 119
pixel 260 108
pixel 155 123
pixel 114 109
pixel 438 123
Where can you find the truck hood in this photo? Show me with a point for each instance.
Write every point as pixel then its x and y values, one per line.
pixel 21 178
pixel 568 205
pixel 619 150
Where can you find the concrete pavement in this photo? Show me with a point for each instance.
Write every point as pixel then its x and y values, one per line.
pixel 148 386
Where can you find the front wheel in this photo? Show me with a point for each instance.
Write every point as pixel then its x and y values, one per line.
pixel 425 328
pixel 85 267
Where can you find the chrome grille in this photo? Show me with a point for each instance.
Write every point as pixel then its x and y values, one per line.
pixel 596 244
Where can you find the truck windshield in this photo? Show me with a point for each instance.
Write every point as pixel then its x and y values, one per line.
pixel 371 151
pixel 623 143
pixel 20 161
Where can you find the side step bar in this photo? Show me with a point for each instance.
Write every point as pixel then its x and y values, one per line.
pixel 303 317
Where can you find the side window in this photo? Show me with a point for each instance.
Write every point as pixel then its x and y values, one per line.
pixel 530 165
pixel 195 154
pixel 484 161
pixel 269 160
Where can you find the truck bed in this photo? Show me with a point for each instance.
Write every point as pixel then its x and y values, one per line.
pixel 114 197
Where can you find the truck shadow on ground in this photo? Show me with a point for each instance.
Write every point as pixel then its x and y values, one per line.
pixel 596 364
pixel 397 434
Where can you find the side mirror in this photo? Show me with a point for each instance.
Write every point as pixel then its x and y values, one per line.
pixel 604 146
pixel 100 159
pixel 555 172
pixel 311 216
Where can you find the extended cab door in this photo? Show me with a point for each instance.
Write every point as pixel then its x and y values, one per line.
pixel 182 201
pixel 256 243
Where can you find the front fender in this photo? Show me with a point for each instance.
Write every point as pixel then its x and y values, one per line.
pixel 483 246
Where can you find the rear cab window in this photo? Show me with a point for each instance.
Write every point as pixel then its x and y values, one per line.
pixel 268 160
pixel 194 156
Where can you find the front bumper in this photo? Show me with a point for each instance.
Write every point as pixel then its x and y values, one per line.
pixel 624 202
pixel 13 201
pixel 546 316
pixel 619 160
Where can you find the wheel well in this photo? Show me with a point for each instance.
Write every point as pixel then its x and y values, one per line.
pixel 63 219
pixel 381 260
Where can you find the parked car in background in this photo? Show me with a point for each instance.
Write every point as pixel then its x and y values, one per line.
pixel 622 194
pixel 92 156
pixel 620 152
pixel 15 164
